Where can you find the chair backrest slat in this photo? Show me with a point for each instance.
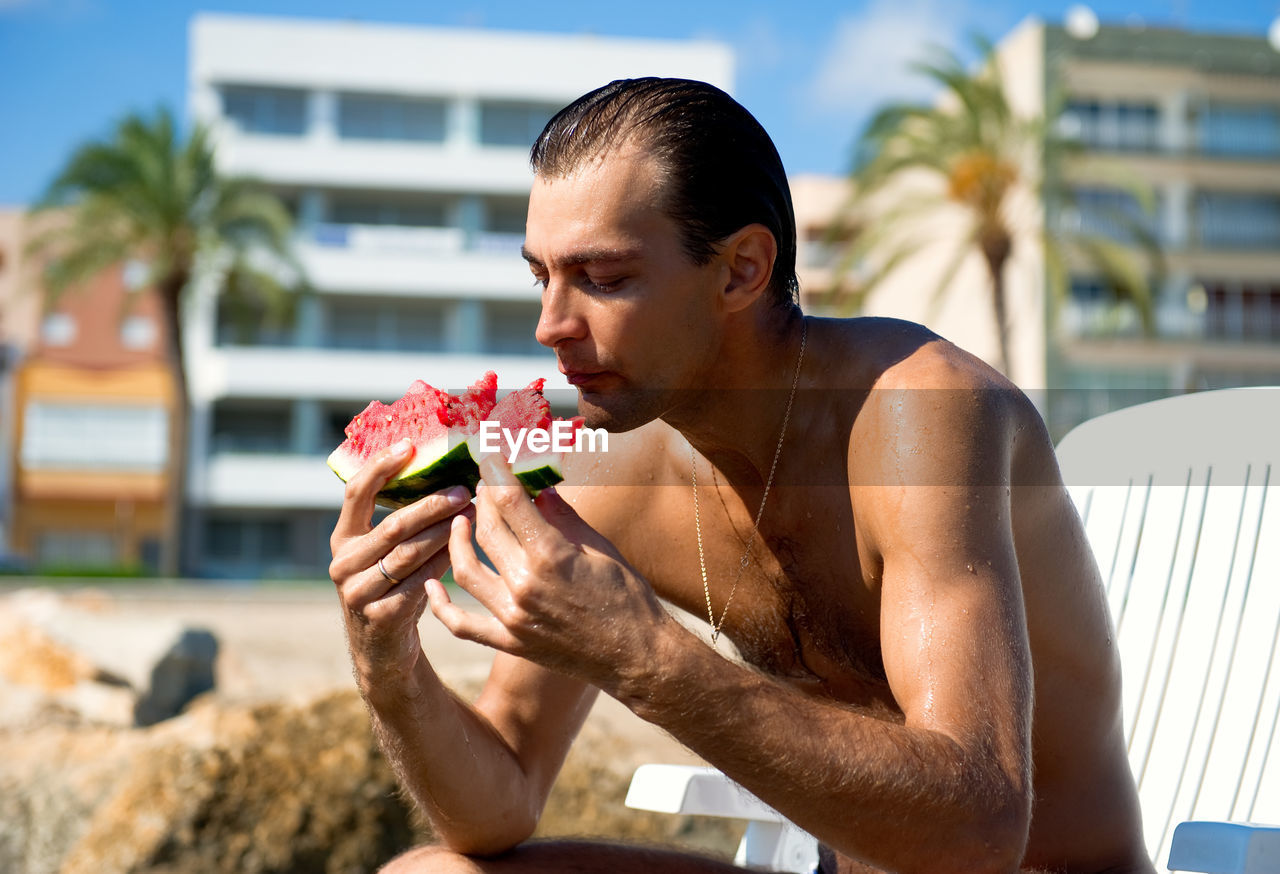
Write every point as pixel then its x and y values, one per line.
pixel 1178 504
pixel 1215 711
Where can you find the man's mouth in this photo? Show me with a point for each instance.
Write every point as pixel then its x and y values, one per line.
pixel 581 377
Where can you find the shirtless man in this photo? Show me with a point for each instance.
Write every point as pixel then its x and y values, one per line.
pixel 928 680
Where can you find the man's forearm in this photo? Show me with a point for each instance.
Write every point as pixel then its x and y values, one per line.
pixel 906 798
pixel 457 768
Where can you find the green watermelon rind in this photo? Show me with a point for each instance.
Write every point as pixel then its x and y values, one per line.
pixel 453 468
pixel 457 465
pixel 536 472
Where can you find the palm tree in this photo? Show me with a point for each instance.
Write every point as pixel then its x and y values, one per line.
pixel 970 152
pixel 149 195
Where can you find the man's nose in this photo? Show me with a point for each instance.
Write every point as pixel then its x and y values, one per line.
pixel 559 320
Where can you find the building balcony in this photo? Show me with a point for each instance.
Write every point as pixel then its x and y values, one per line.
pixel 394 260
pixel 311 160
pixel 278 481
pixel 1214 314
pixel 291 372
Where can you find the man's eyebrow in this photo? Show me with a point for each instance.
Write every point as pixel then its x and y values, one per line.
pixel 583 256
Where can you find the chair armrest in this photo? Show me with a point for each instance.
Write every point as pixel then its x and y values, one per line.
pixel 1225 848
pixel 770 839
pixel 696 791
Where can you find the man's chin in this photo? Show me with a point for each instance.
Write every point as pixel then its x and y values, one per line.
pixel 615 412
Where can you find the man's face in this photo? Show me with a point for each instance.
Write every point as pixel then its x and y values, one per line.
pixel 630 316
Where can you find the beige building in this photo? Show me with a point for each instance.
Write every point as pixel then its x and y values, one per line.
pixel 1193 117
pixel 86 395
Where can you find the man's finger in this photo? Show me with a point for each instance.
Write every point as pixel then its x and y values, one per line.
pixel 467 626
pixel 491 530
pixel 362 489
pixel 468 570
pixel 510 498
pixel 560 514
pixel 416 530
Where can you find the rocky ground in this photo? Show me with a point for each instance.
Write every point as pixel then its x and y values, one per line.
pixel 272 770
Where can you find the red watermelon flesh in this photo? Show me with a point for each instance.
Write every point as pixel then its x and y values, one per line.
pixel 438 423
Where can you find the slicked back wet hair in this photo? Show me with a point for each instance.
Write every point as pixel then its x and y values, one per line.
pixel 719 170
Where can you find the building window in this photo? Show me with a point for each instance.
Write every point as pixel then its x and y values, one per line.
pixel 1239 130
pixel 1232 220
pixel 1109 212
pixel 76 549
pixel 506 215
pixel 509 329
pixel 251 323
pixel 1112 125
pixel 252 426
pixel 1242 310
pixel 58 329
pixel 1085 392
pixel 86 436
pixel 1092 310
pixel 138 332
pixel 379 324
pixel 281 111
pixel 382 117
pixel 513 124
pixel 502 231
pixel 407 212
pixel 250 543
pixel 334 420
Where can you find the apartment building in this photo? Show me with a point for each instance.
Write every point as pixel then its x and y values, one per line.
pixel 1195 118
pixel 403 152
pixel 1190 119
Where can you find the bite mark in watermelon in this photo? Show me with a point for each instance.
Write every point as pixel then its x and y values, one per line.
pixel 439 425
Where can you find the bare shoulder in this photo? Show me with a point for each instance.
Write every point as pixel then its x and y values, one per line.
pixel 615 488
pixel 939 415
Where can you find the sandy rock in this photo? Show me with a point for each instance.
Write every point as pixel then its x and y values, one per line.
pixel 267 788
pixel 105 664
pixel 41 678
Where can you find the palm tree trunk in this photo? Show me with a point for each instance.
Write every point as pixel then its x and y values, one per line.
pixel 996 248
pixel 171 563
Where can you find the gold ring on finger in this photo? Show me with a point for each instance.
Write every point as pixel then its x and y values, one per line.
pixel 390 579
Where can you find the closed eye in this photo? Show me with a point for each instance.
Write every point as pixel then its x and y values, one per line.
pixel 603 286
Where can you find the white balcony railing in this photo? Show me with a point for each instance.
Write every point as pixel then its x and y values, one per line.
pixel 389 238
pixel 1228 316
pixel 258 480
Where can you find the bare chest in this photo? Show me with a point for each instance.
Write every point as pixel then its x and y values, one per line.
pixel 803 609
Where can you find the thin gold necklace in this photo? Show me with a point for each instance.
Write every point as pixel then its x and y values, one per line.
pixel 755 527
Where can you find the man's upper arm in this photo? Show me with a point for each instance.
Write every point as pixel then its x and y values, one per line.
pixel 937 512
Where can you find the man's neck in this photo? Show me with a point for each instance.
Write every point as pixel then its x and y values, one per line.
pixel 737 423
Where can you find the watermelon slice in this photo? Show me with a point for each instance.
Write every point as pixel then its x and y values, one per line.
pixel 445 431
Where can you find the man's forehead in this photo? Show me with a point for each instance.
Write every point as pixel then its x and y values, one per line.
pixel 603 209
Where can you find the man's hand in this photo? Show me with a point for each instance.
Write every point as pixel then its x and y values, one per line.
pixel 562 597
pixel 382 616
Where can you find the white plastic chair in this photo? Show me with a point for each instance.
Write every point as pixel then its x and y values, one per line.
pixel 1181 503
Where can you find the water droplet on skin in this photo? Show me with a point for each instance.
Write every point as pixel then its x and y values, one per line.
pixel 926 640
pixel 970 569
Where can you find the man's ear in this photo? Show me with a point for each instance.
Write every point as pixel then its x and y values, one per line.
pixel 749 254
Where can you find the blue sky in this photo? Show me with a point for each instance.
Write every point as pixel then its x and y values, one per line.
pixel 810 70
